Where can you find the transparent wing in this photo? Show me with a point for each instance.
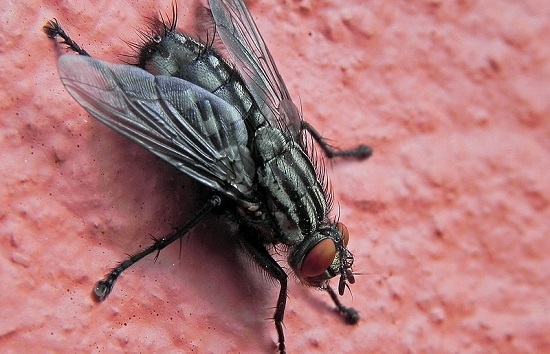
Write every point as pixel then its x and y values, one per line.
pixel 195 131
pixel 254 62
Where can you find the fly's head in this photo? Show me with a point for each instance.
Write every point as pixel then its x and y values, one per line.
pixel 322 256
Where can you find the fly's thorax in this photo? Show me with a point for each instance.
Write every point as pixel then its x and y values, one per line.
pixel 322 256
pixel 294 195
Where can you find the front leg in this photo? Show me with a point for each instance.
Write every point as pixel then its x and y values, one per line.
pixel 349 314
pixel 261 256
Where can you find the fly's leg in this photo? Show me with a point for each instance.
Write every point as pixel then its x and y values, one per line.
pixel 268 264
pixel 360 152
pixel 52 29
pixel 103 287
pixel 350 315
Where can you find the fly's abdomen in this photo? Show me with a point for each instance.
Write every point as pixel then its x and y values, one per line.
pixel 295 197
pixel 176 54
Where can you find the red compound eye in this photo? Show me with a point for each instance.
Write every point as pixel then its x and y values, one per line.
pixel 345 233
pixel 318 259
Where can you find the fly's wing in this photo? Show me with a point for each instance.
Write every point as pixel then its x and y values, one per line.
pixel 195 131
pixel 254 62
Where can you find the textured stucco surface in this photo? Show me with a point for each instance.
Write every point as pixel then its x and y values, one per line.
pixel 450 218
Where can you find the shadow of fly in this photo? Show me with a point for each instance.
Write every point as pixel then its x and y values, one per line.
pixel 231 125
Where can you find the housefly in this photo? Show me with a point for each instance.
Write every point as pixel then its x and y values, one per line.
pixel 230 124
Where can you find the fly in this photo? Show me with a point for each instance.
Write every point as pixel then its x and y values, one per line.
pixel 233 127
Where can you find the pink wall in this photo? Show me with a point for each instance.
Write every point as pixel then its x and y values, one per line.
pixel 450 219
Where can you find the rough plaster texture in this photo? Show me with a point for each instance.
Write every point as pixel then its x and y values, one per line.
pixel 450 219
